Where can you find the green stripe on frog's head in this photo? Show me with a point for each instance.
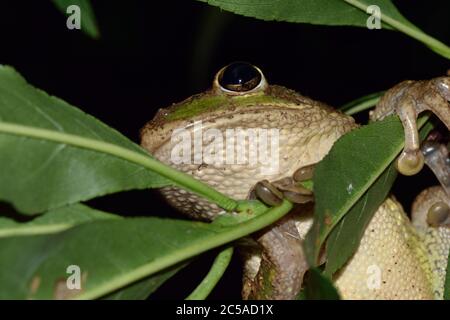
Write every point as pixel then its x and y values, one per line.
pixel 209 101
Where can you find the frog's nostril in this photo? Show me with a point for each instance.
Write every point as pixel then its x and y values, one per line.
pixel 240 77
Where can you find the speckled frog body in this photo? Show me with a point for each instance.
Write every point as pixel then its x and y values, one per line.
pixel 397 258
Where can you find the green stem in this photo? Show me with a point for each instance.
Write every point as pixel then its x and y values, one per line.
pixel 436 45
pixel 362 103
pixel 216 272
pixel 362 106
pixel 144 160
pixel 447 281
pixel 34 230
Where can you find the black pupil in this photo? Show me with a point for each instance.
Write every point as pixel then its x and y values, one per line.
pixel 240 76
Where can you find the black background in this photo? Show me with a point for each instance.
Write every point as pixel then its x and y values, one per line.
pixel 154 53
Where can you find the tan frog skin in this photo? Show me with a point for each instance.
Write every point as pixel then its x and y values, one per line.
pixel 396 259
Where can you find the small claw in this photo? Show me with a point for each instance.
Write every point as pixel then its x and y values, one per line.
pixel 304 173
pixel 297 197
pixel 268 194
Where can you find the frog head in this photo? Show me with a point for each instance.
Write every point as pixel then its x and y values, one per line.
pixel 216 131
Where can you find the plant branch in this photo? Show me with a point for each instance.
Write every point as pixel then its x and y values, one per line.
pixel 216 272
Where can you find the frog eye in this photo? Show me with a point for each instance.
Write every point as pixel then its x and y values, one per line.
pixel 240 78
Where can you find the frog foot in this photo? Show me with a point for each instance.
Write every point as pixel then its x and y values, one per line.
pixel 407 100
pixel 273 193
pixel 437 159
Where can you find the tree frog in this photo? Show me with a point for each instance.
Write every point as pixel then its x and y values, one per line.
pixel 397 258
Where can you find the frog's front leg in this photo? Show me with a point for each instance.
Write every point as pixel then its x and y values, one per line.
pixel 275 264
pixel 407 100
pixel 272 193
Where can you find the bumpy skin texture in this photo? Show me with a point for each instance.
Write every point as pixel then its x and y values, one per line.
pixel 391 261
pixel 274 265
pixel 436 239
pixel 307 130
pixel 413 268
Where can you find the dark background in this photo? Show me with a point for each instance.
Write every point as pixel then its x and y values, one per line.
pixel 154 53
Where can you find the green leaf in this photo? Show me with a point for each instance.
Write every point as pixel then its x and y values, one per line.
pixel 447 281
pixel 39 174
pixel 142 289
pixel 64 218
pixel 326 12
pixel 319 287
pixel 87 19
pixel 330 12
pixel 362 103
pixel 342 178
pixel 345 237
pixel 54 154
pixel 53 221
pixel 307 184
pixel 111 253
